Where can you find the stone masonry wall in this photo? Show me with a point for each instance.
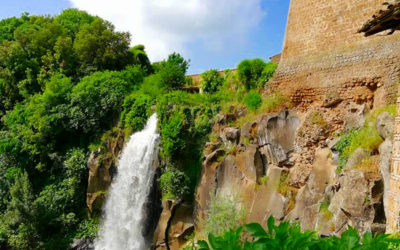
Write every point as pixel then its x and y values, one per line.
pixel 393 206
pixel 323 52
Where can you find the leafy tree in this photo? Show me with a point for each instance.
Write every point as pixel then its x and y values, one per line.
pixel 174 183
pixel 212 81
pixel 140 58
pixel 99 47
pixel 73 19
pixel 97 100
pixel 254 73
pixel 9 25
pixel 172 71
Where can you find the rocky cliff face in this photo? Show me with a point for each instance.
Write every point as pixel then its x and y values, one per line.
pixel 285 165
pixel 102 166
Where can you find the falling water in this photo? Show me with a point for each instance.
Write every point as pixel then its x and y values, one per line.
pixel 123 212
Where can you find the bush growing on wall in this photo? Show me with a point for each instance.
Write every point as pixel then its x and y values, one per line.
pixel 174 183
pixel 254 73
pixel 212 81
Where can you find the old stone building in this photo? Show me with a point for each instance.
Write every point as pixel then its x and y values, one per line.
pixel 324 54
pixel 384 20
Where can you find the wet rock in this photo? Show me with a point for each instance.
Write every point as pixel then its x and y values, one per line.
pixel 102 167
pixel 82 244
pixel 385 125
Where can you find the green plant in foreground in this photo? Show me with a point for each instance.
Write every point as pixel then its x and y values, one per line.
pixel 223 213
pixel 286 236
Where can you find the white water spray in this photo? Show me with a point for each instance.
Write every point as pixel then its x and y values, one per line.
pixel 123 211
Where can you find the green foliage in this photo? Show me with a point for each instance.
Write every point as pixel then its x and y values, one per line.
pixel 211 81
pixel 174 183
pixel 254 73
pixel 140 58
pixel 99 47
pixel 172 71
pixel 74 43
pixel 253 100
pixel 224 213
pixel 288 236
pixel 87 229
pixel 136 111
pixel 367 138
pixel 185 121
pixel 96 101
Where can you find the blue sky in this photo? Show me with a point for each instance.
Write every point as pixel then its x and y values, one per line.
pixel 228 33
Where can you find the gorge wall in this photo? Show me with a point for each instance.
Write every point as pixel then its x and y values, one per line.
pixel 286 164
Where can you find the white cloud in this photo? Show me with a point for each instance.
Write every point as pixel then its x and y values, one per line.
pixel 164 26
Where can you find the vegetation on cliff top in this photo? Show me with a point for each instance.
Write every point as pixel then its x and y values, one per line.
pixel 67 83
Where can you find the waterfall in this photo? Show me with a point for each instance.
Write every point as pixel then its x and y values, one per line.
pixel 121 228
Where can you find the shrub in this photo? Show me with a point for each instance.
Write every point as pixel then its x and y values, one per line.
pixel 174 183
pixel 367 138
pixel 267 73
pixel 212 81
pixel 250 71
pixel 87 229
pixel 172 130
pixel 224 213
pixel 253 100
pixel 172 71
pixel 136 111
pixel 254 73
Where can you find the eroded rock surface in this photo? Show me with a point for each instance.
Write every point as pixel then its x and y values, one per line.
pixel 102 166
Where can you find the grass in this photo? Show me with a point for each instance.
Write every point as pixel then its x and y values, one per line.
pixel 370 120
pixel 270 104
pixel 324 210
pixel 370 167
pixel 366 138
pixel 287 191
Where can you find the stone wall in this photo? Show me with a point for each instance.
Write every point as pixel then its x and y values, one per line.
pixel 393 206
pixel 323 51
